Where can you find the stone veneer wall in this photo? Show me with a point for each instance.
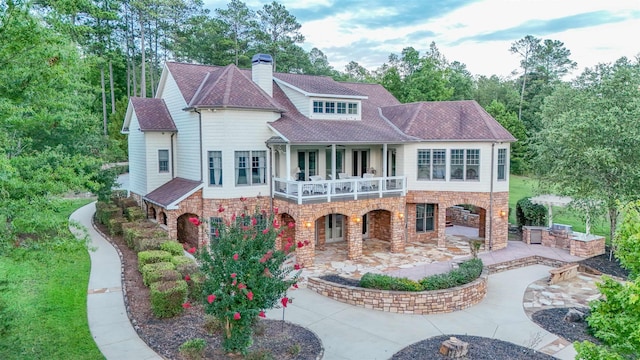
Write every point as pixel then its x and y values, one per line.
pixel 459 216
pixel 405 302
pixel 445 199
pixel 576 247
pixel 587 248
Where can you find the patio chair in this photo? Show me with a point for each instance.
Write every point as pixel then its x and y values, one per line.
pixel 367 185
pixel 318 188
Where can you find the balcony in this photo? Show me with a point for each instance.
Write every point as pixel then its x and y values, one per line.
pixel 351 188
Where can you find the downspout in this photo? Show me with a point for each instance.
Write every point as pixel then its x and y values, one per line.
pixel 200 138
pixel 493 149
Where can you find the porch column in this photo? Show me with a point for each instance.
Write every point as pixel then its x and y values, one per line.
pixel 288 161
pixel 442 226
pixel 354 238
pixel 305 255
pixel 397 233
pixel 384 159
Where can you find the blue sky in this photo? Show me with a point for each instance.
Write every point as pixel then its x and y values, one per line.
pixel 477 33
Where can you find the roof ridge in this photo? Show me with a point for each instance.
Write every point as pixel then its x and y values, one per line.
pixel 197 93
pixel 393 126
pixel 227 90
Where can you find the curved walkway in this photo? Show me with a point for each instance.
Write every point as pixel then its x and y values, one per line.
pixel 108 320
pixel 347 332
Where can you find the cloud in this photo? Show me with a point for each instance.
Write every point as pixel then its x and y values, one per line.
pixel 538 27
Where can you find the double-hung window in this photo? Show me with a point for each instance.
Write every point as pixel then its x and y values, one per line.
pixel 251 167
pixel 215 226
pixel 163 160
pixel 215 168
pixel 342 108
pixel 353 108
pixel 432 164
pixel 465 164
pixel 330 107
pixel 318 107
pixel 502 164
pixel 424 217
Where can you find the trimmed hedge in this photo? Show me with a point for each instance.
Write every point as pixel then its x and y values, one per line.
pixel 185 265
pixel 465 273
pixel 153 256
pixel 150 241
pixel 115 225
pixel 134 213
pixel 154 271
pixel 174 247
pixel 106 212
pixel 167 298
pixel 161 275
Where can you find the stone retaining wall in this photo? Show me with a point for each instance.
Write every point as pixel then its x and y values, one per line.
pixel 405 302
pixel 459 216
pixel 423 302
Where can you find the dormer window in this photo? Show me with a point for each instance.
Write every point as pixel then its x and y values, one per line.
pixel 335 107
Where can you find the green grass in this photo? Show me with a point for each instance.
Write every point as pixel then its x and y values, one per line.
pixel 43 298
pixel 521 186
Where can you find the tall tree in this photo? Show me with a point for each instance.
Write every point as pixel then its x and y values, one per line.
pixel 242 25
pixel 552 60
pixel 527 48
pixel 588 145
pixel 278 30
pixel 461 81
pixel 319 64
pixel 509 120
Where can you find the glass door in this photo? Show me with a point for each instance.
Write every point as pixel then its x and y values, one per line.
pixel 360 162
pixel 334 225
pixel 365 226
pixel 307 165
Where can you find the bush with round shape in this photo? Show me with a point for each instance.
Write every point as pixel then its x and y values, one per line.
pixel 174 247
pixel 154 271
pixel 153 256
pixel 167 298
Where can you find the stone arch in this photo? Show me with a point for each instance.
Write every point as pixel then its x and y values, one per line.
pixel 287 232
pixel 187 233
pixel 163 218
pixel 152 213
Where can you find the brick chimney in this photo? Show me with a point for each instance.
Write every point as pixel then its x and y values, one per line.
pixel 262 72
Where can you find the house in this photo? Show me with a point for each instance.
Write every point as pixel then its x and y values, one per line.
pixel 343 161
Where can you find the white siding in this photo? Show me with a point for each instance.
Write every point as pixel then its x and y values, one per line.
pixel 187 158
pixel 409 165
pixel 137 158
pixel 157 141
pixel 229 131
pixel 300 101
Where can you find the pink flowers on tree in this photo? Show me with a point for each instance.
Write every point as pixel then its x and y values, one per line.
pixel 244 274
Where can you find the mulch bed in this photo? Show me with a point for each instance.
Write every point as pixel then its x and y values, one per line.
pixel 480 348
pixel 337 279
pixel 553 321
pixel 273 339
pixel 602 264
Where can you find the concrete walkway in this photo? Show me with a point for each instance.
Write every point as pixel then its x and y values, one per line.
pixel 108 320
pixel 347 332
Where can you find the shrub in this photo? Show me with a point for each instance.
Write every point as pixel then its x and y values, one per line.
pixel 160 275
pixel 386 282
pixel 528 213
pixel 627 239
pixel 184 264
pixel 174 247
pixel 167 298
pixel 106 211
pixel 153 256
pixel 193 349
pixel 464 274
pixel 134 213
pixel 150 240
pixel 115 225
pixel 150 272
pixel 196 286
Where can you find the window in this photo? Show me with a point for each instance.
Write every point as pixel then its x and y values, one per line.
pixel 353 108
pixel 215 226
pixel 329 107
pixel 251 167
pixel 431 164
pixel 163 160
pixel 215 168
pixel 342 108
pixel 339 161
pixel 424 217
pixel 465 164
pixel 317 107
pixel 502 164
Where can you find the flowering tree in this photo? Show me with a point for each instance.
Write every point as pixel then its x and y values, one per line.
pixel 244 274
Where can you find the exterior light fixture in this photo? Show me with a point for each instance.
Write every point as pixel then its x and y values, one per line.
pixel 356 219
pixel 307 224
pixel 503 213
pixel 401 215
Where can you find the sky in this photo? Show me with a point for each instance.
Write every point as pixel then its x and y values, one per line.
pixel 477 33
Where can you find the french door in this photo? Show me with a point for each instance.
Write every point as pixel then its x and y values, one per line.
pixel 307 164
pixel 360 162
pixel 334 228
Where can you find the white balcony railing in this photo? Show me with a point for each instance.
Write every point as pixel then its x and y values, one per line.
pixel 341 189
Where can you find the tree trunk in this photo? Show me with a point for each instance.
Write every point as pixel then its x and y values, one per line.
pixel 104 101
pixel 143 84
pixel 524 82
pixel 613 222
pixel 113 99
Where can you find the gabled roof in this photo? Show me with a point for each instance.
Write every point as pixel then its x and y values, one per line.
pixel 462 120
pixel 219 87
pixel 171 193
pixel 320 86
pixel 152 114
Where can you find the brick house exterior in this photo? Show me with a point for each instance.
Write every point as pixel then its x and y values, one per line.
pixel 343 161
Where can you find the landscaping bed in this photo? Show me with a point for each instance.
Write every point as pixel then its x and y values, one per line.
pixel 602 264
pixel 553 321
pixel 274 339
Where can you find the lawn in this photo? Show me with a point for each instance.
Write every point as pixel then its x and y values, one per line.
pixel 520 186
pixel 43 298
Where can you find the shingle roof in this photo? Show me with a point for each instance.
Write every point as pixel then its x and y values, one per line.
pixel 219 87
pixel 172 191
pixel 321 85
pixel 153 114
pixel 447 120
